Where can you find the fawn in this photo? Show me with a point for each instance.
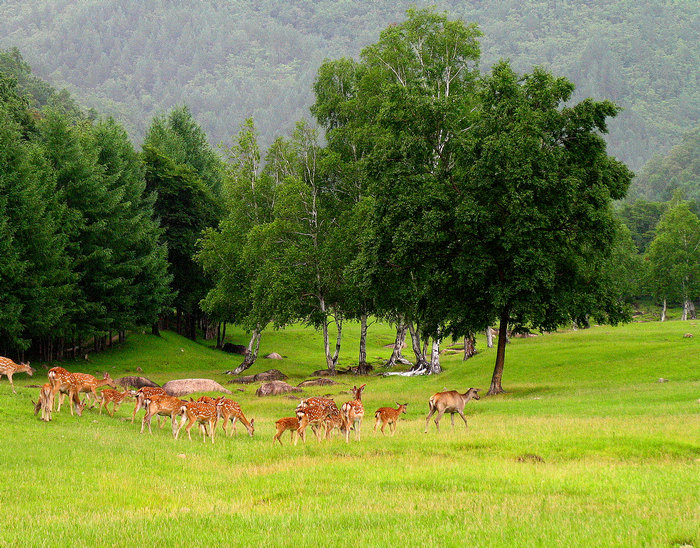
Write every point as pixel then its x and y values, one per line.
pixel 287 423
pixel 390 416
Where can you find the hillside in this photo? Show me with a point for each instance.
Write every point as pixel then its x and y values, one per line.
pixel 231 60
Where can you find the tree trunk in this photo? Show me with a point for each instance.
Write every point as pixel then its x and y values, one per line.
pixel 496 387
pixel 362 359
pixel 435 367
pixel 326 342
pixel 339 326
pixel 251 353
pixel 692 314
pixel 686 309
pixel 489 337
pixel 218 336
pixel 469 346
pixel 155 329
pixel 663 311
pixel 223 336
pixel 396 354
pixel 421 362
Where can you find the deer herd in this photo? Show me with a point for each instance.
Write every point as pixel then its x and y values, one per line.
pixel 320 413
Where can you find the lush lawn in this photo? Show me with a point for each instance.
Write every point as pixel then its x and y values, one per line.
pixel 587 448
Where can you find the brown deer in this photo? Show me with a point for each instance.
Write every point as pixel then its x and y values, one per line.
pixel 229 410
pixel 9 368
pixel 353 411
pixel 44 403
pixel 83 382
pixel 450 402
pixel 390 416
pixel 314 411
pixel 163 405
pixel 206 399
pixel 61 382
pixel 143 393
pixel 282 425
pixel 114 397
pixel 201 412
pixel 335 419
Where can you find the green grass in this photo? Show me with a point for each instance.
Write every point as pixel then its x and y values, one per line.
pixel 586 448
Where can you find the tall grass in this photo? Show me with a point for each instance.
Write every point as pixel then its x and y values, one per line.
pixel 585 448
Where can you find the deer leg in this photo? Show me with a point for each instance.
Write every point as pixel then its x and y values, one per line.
pixel 136 408
pixel 189 427
pixel 437 419
pixel 358 428
pixel 427 419
pixel 452 416
pixel 461 414
pixel 115 407
pixel 233 424
pixel 143 423
pixel 9 378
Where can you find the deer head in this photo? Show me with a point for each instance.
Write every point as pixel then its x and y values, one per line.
pixel 251 427
pixel 402 407
pixel 358 391
pixel 26 368
pixel 472 393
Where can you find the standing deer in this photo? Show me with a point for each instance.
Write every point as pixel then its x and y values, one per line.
pixel 61 381
pixel 450 402
pixel 229 410
pixel 282 425
pixel 143 393
pixel 83 382
pixel 9 368
pixel 390 416
pixel 314 411
pixel 114 397
pixel 44 403
pixel 167 406
pixel 353 411
pixel 201 412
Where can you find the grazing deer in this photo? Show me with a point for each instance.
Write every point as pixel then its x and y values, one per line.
pixel 287 423
pixel 83 382
pixel 450 402
pixel 163 405
pixel 390 416
pixel 353 411
pixel 206 399
pixel 114 397
pixel 229 410
pixel 9 368
pixel 61 382
pixel 201 412
pixel 141 395
pixel 314 411
pixel 335 419
pixel 44 403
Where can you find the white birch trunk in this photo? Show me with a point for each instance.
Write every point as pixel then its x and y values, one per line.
pixel 663 312
pixel 489 337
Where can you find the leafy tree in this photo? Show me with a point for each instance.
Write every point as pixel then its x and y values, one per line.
pixel 674 258
pixel 641 217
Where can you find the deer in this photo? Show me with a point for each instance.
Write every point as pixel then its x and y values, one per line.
pixel 450 402
pixel 335 419
pixel 284 424
pixel 141 395
pixel 353 411
pixel 390 416
pixel 114 397
pixel 9 368
pixel 83 382
pixel 162 404
pixel 60 380
pixel 201 412
pixel 314 411
pixel 229 410
pixel 44 403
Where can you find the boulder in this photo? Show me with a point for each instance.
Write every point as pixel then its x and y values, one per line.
pixel 316 382
pixel 276 387
pixel 265 376
pixel 274 356
pixel 136 382
pixel 235 349
pixel 322 373
pixel 182 387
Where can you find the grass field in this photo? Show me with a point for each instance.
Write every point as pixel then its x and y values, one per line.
pixel 587 448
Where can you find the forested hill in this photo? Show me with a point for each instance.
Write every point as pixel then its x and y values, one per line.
pixel 231 59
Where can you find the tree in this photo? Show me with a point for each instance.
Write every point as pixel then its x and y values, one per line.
pixel 674 257
pixel 533 213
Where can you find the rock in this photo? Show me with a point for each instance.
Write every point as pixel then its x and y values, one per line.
pixel 662 380
pixel 235 349
pixel 273 356
pixel 322 373
pixel 316 382
pixel 276 387
pixel 265 376
pixel 136 382
pixel 139 370
pixel 688 336
pixel 182 387
pixel 530 457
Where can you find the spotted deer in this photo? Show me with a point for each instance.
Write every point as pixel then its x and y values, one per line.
pixel 282 425
pixel 390 416
pixel 61 382
pixel 207 399
pixel 203 413
pixel 9 368
pixel 353 411
pixel 85 383
pixel 163 405
pixel 141 395
pixel 229 410
pixel 314 411
pixel 44 403
pixel 114 397
pixel 450 402
pixel 335 420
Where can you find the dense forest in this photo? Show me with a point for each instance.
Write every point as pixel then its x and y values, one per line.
pixel 232 60
pixel 440 197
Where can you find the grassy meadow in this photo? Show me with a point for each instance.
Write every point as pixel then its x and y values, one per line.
pixel 587 448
